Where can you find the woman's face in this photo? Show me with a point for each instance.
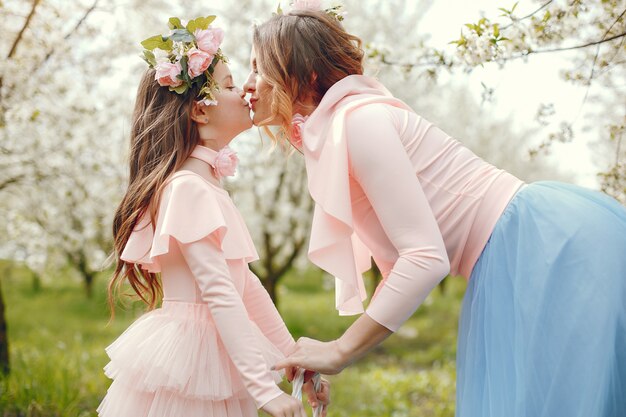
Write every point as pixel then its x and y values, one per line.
pixel 260 94
pixel 231 116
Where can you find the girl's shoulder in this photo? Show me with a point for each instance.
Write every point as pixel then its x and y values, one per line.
pixel 192 182
pixel 190 208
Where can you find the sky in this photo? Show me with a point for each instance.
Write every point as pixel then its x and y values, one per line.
pixel 521 86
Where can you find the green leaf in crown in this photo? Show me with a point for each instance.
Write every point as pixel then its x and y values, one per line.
pixel 174 23
pixel 167 60
pixel 181 35
pixel 201 23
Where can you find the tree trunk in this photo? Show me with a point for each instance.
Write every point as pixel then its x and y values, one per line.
pixel 36 282
pixel 270 286
pixel 4 339
pixel 89 278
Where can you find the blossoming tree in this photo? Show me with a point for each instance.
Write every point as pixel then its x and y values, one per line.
pixel 591 33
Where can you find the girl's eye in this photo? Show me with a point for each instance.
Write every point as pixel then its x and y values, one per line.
pixel 232 87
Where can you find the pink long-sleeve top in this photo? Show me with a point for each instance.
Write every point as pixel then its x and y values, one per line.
pixel 201 247
pixel 391 185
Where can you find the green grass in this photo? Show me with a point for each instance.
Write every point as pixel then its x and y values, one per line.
pixel 57 338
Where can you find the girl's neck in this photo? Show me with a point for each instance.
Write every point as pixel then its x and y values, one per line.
pixel 215 144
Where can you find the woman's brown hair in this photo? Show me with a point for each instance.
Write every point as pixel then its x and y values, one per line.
pixel 301 54
pixel 162 137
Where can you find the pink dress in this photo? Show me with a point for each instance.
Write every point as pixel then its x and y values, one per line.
pixel 391 185
pixel 207 351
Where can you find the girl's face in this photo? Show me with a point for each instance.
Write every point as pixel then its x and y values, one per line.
pixel 260 97
pixel 231 116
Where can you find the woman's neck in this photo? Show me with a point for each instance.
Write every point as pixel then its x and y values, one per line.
pixel 304 108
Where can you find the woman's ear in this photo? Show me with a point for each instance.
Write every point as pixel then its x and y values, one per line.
pixel 199 112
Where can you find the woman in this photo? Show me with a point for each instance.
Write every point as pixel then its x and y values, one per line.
pixel 543 326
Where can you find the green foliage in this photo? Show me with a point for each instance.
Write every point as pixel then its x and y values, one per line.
pixel 57 339
pixel 201 23
pixel 174 23
pixel 181 35
pixel 149 57
pixel 157 41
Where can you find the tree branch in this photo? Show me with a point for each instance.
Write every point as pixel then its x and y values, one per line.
pixel 10 181
pixel 546 4
pixel 21 32
pixel 71 32
pixel 570 48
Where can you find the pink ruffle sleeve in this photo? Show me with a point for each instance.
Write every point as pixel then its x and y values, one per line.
pixel 189 210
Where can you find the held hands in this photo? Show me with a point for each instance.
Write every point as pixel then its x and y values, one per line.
pixel 323 357
pixel 288 406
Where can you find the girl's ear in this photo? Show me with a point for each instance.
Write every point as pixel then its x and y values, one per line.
pixel 199 113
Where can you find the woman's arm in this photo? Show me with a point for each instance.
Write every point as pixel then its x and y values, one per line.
pixel 384 171
pixel 382 167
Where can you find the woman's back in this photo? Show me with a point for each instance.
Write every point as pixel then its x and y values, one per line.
pixel 465 194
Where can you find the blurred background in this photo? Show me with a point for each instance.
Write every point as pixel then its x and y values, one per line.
pixel 534 87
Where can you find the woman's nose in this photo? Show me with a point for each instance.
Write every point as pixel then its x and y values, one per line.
pixel 250 85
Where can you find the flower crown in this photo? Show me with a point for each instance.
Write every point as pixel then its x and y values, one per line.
pixel 187 56
pixel 315 5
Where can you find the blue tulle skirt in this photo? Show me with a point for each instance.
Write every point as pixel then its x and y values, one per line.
pixel 543 326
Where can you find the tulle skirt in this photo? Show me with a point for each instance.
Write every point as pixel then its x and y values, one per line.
pixel 543 326
pixel 172 363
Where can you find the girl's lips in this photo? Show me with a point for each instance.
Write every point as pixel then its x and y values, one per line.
pixel 252 103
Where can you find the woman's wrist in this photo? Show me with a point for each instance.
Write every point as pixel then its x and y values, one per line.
pixel 358 339
pixel 343 353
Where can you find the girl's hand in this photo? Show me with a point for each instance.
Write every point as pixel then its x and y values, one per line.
pixel 320 398
pixel 284 406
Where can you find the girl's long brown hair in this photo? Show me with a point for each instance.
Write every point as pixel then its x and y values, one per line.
pixel 301 55
pixel 162 137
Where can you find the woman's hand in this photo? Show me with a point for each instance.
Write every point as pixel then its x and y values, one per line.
pixel 323 357
pixel 284 406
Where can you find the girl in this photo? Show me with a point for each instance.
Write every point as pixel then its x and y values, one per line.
pixel 543 327
pixel 207 350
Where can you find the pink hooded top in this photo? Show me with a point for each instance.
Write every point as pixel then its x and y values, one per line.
pixel 389 184
pixel 202 248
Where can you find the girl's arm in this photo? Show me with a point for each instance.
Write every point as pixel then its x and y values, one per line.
pixel 263 312
pixel 208 265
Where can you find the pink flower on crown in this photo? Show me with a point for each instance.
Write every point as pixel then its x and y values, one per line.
pixel 225 162
pixel 307 5
pixel 198 62
pixel 166 74
pixel 209 40
pixel 295 135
